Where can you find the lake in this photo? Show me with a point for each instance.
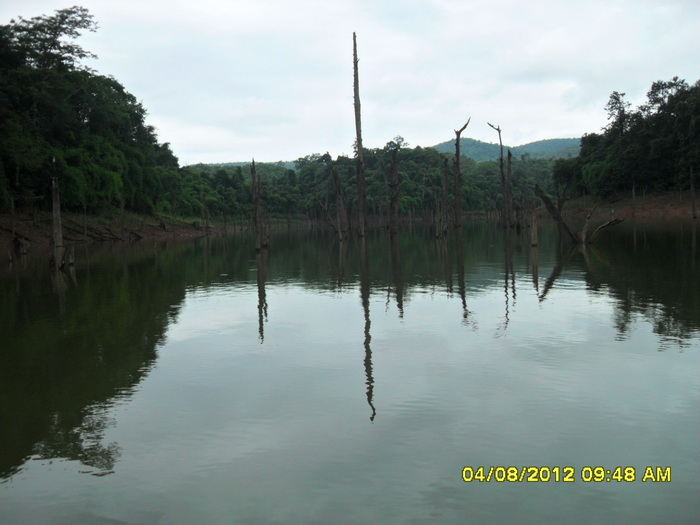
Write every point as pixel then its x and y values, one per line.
pixel 195 381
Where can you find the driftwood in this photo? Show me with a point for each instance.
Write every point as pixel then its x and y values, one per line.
pixel 583 237
pixel 554 212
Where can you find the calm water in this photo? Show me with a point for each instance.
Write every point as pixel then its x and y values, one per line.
pixel 195 382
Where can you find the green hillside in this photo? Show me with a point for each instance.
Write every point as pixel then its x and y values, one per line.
pixel 481 151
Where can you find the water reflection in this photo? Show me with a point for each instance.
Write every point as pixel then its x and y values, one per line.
pixel 77 343
pixel 261 265
pixel 396 273
pixel 364 295
pixel 73 342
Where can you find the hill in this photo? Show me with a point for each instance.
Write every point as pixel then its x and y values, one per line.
pixel 481 151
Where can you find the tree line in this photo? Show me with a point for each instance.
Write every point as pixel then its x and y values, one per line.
pixel 652 148
pixel 61 119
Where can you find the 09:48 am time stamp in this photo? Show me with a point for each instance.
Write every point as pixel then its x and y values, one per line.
pixel 565 474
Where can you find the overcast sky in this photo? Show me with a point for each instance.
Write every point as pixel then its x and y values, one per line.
pixel 272 79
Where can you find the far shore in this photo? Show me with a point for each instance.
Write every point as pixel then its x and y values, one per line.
pixel 34 229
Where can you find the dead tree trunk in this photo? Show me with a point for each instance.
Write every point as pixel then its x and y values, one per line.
pixel 259 233
pixel 57 248
pixel 393 186
pixel 583 237
pixel 554 212
pixel 443 208
pixel 507 194
pixel 534 241
pixel 505 182
pixel 361 188
pixel 340 208
pixel 692 193
pixel 458 175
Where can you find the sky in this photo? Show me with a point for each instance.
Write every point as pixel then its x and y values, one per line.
pixel 227 81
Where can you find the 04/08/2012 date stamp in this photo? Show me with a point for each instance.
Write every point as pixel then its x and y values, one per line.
pixel 565 474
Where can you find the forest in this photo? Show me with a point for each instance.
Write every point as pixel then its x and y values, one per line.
pixel 61 119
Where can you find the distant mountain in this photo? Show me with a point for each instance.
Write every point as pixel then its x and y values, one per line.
pixel 481 151
pixel 471 148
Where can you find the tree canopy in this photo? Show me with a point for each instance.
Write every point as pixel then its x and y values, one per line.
pixel 649 148
pixel 58 117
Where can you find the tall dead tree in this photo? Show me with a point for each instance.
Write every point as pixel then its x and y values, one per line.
pixel 458 175
pixel 361 188
pixel 505 183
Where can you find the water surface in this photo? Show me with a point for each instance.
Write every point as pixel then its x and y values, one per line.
pixel 199 382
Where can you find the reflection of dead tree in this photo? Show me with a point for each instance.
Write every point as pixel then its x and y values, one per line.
pixel 342 257
pixel 509 275
pixel 397 274
pixel 556 272
pixel 461 285
pixel 261 263
pixel 364 292
pixel 535 261
pixel 581 238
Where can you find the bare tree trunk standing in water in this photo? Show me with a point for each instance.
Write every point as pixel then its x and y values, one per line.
pixel 692 193
pixel 259 233
pixel 361 189
pixel 341 210
pixel 393 184
pixel 458 176
pixel 57 249
pixel 505 184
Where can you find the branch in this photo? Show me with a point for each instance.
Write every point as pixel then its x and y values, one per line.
pixel 555 213
pixel 608 224
pixel 459 132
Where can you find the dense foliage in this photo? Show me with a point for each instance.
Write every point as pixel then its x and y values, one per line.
pixel 59 118
pixel 652 148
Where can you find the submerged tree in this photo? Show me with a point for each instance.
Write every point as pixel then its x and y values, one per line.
pixel 393 188
pixel 259 227
pixel 361 188
pixel 505 182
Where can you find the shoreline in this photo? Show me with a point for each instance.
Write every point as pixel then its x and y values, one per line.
pixel 34 229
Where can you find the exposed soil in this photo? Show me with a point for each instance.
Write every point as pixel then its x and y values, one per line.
pixel 33 230
pixel 671 205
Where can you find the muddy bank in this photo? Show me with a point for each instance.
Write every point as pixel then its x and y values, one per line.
pixel 671 206
pixel 33 230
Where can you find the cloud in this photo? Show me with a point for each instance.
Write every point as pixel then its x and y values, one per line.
pixel 275 77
